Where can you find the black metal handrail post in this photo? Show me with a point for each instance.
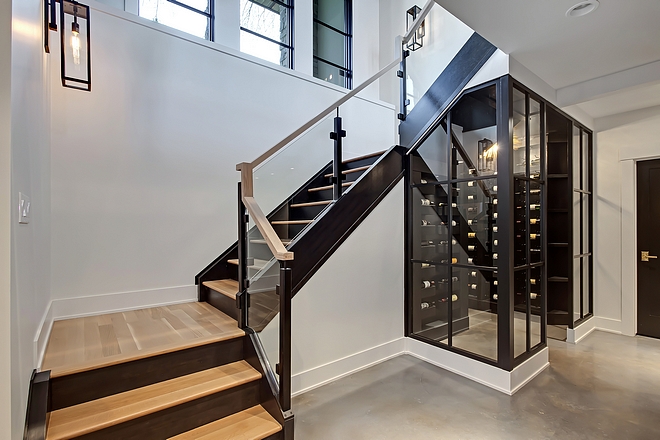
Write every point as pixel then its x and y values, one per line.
pixel 242 297
pixel 337 176
pixel 403 88
pixel 284 367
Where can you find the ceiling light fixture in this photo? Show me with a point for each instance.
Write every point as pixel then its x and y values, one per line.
pixel 583 8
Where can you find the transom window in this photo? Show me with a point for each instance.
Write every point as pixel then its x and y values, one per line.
pixel 266 30
pixel 192 16
pixel 333 59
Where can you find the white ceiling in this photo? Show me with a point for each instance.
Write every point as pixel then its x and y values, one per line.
pixel 563 51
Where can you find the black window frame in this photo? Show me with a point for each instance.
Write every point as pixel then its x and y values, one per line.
pixel 289 45
pixel 348 43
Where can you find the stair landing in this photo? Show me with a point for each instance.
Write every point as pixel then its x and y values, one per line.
pixel 82 344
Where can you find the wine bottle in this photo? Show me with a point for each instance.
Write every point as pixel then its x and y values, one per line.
pixel 471 183
pixel 534 191
pixel 428 284
pixel 425 223
pixel 472 222
pixel 494 242
pixel 534 207
pixel 453 260
pixel 495 256
pixel 533 221
pixel 453 241
pixel 473 273
pixel 495 188
pixel 533 295
pixel 426 305
pixel 472 209
pixel 495 215
pixel 472 235
pixel 426 202
pixel 423 181
pixel 534 236
pixel 473 286
pixel 472 247
pixel 470 197
pixel 495 201
pixel 470 260
pixel 532 281
pixel 494 228
pixel 425 265
pixel 495 296
pixel 454 205
pixel 454 297
pixel 427 243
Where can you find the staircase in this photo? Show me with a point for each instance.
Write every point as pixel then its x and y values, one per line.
pixel 211 386
pixel 218 283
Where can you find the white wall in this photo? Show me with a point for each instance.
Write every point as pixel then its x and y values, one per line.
pixel 5 221
pixel 30 162
pixel 143 167
pixel 621 141
pixel 350 313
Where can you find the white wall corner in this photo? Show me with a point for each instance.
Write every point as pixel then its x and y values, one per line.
pixel 42 336
pixel 496 66
pixel 66 308
pixel 531 80
pixel 574 336
pixel 324 374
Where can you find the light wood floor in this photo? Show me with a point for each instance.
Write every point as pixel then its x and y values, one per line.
pixel 81 344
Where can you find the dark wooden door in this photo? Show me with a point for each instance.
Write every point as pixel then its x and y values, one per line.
pixel 648 240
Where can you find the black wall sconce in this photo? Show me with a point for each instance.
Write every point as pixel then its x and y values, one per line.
pixel 417 40
pixel 76 62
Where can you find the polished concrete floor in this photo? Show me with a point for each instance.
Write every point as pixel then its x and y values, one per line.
pixel 606 387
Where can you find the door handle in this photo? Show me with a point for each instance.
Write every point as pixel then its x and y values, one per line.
pixel 646 256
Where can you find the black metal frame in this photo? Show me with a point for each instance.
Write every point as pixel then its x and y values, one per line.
pixel 347 68
pixel 50 24
pixel 288 4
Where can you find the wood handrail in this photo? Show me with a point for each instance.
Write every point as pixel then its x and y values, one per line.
pixel 272 239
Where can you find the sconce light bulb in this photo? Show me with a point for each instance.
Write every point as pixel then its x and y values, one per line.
pixel 75 28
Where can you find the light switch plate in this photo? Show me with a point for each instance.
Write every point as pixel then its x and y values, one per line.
pixel 23 208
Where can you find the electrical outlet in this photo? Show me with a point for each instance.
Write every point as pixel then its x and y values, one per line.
pixel 23 208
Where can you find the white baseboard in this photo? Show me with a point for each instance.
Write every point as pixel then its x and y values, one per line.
pixel 507 382
pixel 315 377
pixel 608 325
pixel 67 308
pixel 574 336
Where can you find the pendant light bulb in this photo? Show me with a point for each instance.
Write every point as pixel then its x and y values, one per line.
pixel 75 40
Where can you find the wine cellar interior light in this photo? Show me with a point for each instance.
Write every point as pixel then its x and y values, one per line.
pixel 75 55
pixel 417 40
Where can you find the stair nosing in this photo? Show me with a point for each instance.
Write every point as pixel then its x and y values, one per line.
pixel 117 419
pixel 366 156
pixel 292 222
pixel 142 354
pixel 353 170
pixel 196 431
pixel 327 187
pixel 304 205
pixel 231 295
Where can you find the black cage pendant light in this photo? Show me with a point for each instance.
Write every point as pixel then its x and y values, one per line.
pixel 417 40
pixel 75 59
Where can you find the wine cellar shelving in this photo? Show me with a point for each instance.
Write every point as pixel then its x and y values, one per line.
pixel 490 221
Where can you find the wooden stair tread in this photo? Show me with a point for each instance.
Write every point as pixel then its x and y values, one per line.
pixel 92 416
pixel 354 170
pixel 226 287
pixel 366 156
pixel 303 205
pixel 258 264
pixel 251 424
pixel 227 329
pixel 327 187
pixel 291 222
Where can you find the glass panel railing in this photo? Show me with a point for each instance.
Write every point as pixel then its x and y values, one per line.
pixel 444 36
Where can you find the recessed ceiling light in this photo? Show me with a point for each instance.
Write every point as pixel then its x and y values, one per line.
pixel 582 8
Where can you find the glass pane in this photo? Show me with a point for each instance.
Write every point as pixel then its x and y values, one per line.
pixel 585 161
pixel 332 12
pixel 329 73
pixel 520 299
pixel 519 134
pixel 175 16
pixel 577 294
pixel 474 315
pixel 576 157
pixel 286 171
pixel 536 301
pixel 329 45
pixel 431 213
pixel 474 128
pixel 534 139
pixel 430 312
pixel 200 5
pixel 586 309
pixel 535 239
pixel 474 221
pixel 520 225
pixel 266 18
pixel 586 245
pixel 264 49
pixel 430 160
